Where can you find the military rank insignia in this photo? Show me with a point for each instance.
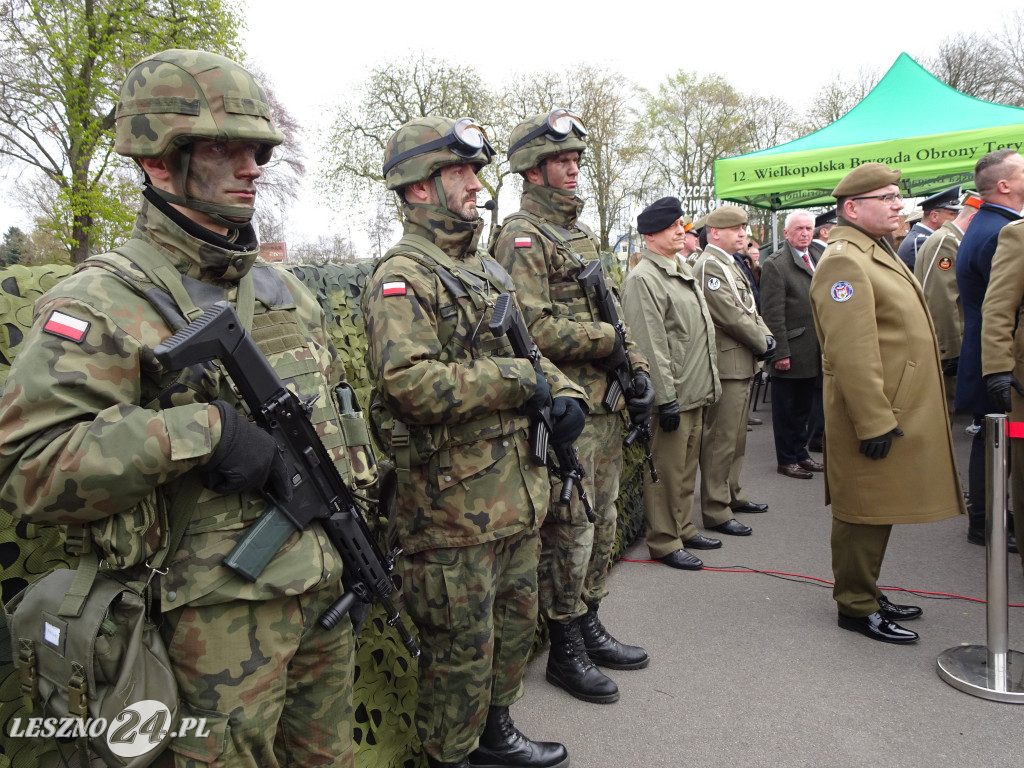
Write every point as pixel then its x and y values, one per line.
pixel 945 263
pixel 396 288
pixel 523 242
pixel 842 291
pixel 66 326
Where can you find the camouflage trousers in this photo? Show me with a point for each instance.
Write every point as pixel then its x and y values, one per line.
pixel 275 688
pixel 476 611
pixel 575 552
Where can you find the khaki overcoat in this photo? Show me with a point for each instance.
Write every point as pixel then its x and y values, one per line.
pixel 881 370
pixel 936 269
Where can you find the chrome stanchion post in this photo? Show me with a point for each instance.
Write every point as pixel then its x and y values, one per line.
pixel 991 671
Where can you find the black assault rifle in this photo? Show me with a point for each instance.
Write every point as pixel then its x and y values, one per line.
pixel 620 379
pixel 506 321
pixel 318 491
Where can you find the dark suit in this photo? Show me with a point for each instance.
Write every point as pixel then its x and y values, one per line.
pixel 912 242
pixel 973 265
pixel 786 308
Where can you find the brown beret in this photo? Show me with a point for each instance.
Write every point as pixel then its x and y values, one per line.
pixel 865 178
pixel 725 216
pixel 700 223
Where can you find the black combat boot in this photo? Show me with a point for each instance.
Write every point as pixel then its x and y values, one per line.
pixel 570 667
pixel 438 764
pixel 604 650
pixel 503 746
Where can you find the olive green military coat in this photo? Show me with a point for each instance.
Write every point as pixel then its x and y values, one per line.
pixel 935 268
pixel 881 370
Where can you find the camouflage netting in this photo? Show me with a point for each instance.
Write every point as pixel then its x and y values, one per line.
pixel 385 680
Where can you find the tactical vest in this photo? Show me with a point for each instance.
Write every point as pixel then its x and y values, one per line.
pixel 464 310
pixel 131 537
pixel 572 252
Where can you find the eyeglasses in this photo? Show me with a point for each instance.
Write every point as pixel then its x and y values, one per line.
pixel 887 199
pixel 559 124
pixel 466 139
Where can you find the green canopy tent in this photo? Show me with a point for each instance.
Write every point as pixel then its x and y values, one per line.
pixel 911 120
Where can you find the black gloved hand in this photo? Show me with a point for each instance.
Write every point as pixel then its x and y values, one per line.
pixel 998 387
pixel 950 366
pixel 539 398
pixel 878 447
pixel 245 459
pixel 618 357
pixel 640 399
pixel 770 340
pixel 567 420
pixel 668 416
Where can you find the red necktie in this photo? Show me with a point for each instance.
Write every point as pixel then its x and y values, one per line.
pixel 807 261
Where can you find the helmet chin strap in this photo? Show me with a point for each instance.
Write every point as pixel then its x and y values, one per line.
pixel 442 196
pixel 231 216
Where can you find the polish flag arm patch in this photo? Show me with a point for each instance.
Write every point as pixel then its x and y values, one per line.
pixel 395 288
pixel 66 326
pixel 523 242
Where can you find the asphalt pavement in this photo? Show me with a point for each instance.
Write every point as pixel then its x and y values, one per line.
pixel 750 670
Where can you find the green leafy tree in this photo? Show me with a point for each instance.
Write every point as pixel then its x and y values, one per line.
pixel 61 65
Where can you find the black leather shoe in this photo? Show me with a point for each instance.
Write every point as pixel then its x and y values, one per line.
pixel 570 668
pixel 682 559
pixel 750 506
pixel 976 535
pixel 811 465
pixel 877 627
pixel 754 421
pixel 700 541
pixel 733 528
pixel 604 650
pixel 894 612
pixel 503 746
pixel 794 471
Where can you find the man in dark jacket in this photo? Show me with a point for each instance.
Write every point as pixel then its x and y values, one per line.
pixel 999 179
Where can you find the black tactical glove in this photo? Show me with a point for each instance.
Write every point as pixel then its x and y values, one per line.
pixel 998 386
pixel 617 359
pixel 539 398
pixel 668 416
pixel 567 420
pixel 245 459
pixel 949 367
pixel 770 340
pixel 640 399
pixel 878 447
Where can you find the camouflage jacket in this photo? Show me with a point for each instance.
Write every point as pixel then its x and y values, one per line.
pixel 438 370
pixel 561 316
pixel 94 431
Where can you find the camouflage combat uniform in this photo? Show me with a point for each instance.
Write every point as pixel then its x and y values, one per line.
pixel 470 501
pixel 564 324
pixel 94 432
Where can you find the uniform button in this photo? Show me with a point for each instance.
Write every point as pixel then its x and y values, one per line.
pixel 239 262
pixel 447 478
pixel 504 443
pixel 172 595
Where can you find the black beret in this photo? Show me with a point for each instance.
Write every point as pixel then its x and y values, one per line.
pixel 659 215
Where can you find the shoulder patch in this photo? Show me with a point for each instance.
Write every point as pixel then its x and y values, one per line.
pixel 714 283
pixel 945 263
pixel 523 241
pixel 842 291
pixel 66 326
pixel 395 288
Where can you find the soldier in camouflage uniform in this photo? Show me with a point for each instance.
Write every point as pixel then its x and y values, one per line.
pixel 96 436
pixel 544 248
pixel 453 409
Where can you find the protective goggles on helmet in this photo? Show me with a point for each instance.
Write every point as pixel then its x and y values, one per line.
pixel 466 139
pixel 559 124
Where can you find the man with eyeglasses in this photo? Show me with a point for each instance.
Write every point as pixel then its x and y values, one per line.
pixel 889 457
pixel 453 408
pixel 545 247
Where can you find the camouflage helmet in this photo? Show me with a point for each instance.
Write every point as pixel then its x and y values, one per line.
pixel 422 147
pixel 176 96
pixel 541 136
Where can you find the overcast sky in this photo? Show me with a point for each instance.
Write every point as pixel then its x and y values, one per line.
pixel 314 53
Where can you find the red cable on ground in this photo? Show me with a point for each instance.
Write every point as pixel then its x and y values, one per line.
pixel 744 569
